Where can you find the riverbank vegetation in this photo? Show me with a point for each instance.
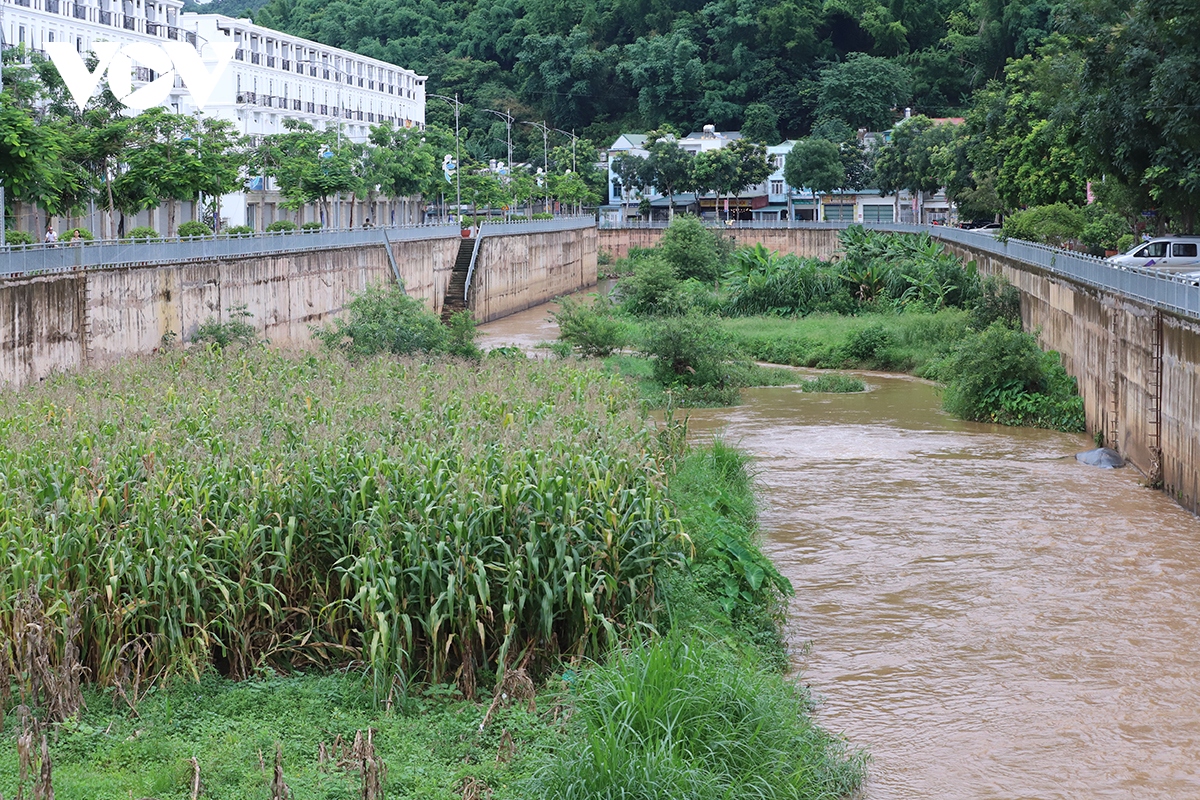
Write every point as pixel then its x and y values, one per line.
pixel 358 574
pixel 899 303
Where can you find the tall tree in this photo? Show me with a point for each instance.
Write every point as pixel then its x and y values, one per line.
pixel 1138 94
pixel 863 91
pixel 669 165
pixel 814 164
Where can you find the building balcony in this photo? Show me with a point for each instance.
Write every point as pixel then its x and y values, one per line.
pixel 52 6
pixel 23 3
pixel 270 61
pixel 286 65
pixel 79 11
pixel 154 28
pixel 104 17
pixel 239 54
pixel 129 23
pixel 256 58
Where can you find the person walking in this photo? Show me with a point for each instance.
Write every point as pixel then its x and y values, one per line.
pixel 77 238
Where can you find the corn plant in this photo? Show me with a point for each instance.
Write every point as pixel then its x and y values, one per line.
pixel 244 510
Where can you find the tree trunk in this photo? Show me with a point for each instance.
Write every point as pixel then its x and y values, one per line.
pixel 170 218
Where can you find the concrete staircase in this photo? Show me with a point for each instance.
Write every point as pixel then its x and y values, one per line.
pixel 453 301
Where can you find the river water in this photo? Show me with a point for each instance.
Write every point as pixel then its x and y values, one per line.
pixel 986 616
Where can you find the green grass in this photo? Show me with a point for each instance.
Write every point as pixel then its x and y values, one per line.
pixel 833 384
pixel 686 718
pixel 638 371
pixel 429 745
pixel 914 339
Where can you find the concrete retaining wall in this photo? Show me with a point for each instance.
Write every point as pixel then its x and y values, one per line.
pixel 513 273
pixel 810 242
pixel 1111 345
pixel 61 322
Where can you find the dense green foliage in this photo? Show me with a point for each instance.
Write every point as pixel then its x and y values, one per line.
pixel 1056 224
pixel 258 510
pixel 386 320
pixel 604 65
pixel 591 328
pixel 1002 376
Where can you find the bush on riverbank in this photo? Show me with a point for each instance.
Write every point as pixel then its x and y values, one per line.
pixel 386 320
pixel 1001 375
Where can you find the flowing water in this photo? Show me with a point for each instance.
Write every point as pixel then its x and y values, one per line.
pixel 986 616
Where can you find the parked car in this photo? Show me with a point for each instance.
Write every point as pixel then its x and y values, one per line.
pixel 1166 253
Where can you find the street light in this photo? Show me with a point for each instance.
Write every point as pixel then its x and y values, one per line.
pixel 457 151
pixel 508 123
pixel 545 154
pixel 574 139
pixel 323 65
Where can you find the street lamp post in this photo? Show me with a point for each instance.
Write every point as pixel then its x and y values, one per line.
pixel 574 139
pixel 508 123
pixel 457 151
pixel 545 154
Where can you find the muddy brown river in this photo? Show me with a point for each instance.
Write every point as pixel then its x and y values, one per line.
pixel 986 616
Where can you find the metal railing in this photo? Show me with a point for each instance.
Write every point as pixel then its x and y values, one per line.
pixel 1174 293
pixel 502 227
pixel 43 259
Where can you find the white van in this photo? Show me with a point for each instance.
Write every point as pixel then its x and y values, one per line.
pixel 1166 253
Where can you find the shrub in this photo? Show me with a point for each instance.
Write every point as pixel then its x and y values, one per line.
pixel 1055 224
pixel 689 351
pixel 385 320
pixel 543 215
pixel 281 226
pixel 1102 229
pixel 591 328
pixel 142 234
pixel 1125 242
pixel 686 718
pixel 238 230
pixel 193 228
pixel 84 234
pixel 311 226
pixel 652 289
pixel 18 237
pixel 1001 375
pixel 868 346
pixel 460 336
pixel 999 301
pixel 691 249
pixel 222 334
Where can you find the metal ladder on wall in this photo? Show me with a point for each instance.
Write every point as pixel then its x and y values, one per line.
pixel 1155 382
pixel 1112 429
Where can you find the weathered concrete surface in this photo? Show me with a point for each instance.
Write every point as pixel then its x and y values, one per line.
pixel 810 242
pixel 513 273
pixel 1109 344
pixel 62 322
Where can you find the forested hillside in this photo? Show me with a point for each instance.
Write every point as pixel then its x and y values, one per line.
pixel 599 66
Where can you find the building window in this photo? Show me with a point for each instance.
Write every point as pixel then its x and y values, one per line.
pixel 776 187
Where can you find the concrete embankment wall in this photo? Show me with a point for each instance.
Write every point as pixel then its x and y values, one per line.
pixel 1111 345
pixel 65 321
pixel 1147 407
pixel 513 273
pixel 810 242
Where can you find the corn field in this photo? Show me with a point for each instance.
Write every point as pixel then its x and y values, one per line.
pixel 256 510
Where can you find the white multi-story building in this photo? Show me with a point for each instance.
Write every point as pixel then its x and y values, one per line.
pixel 272 77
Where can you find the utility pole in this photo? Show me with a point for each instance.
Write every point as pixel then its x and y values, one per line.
pixel 457 151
